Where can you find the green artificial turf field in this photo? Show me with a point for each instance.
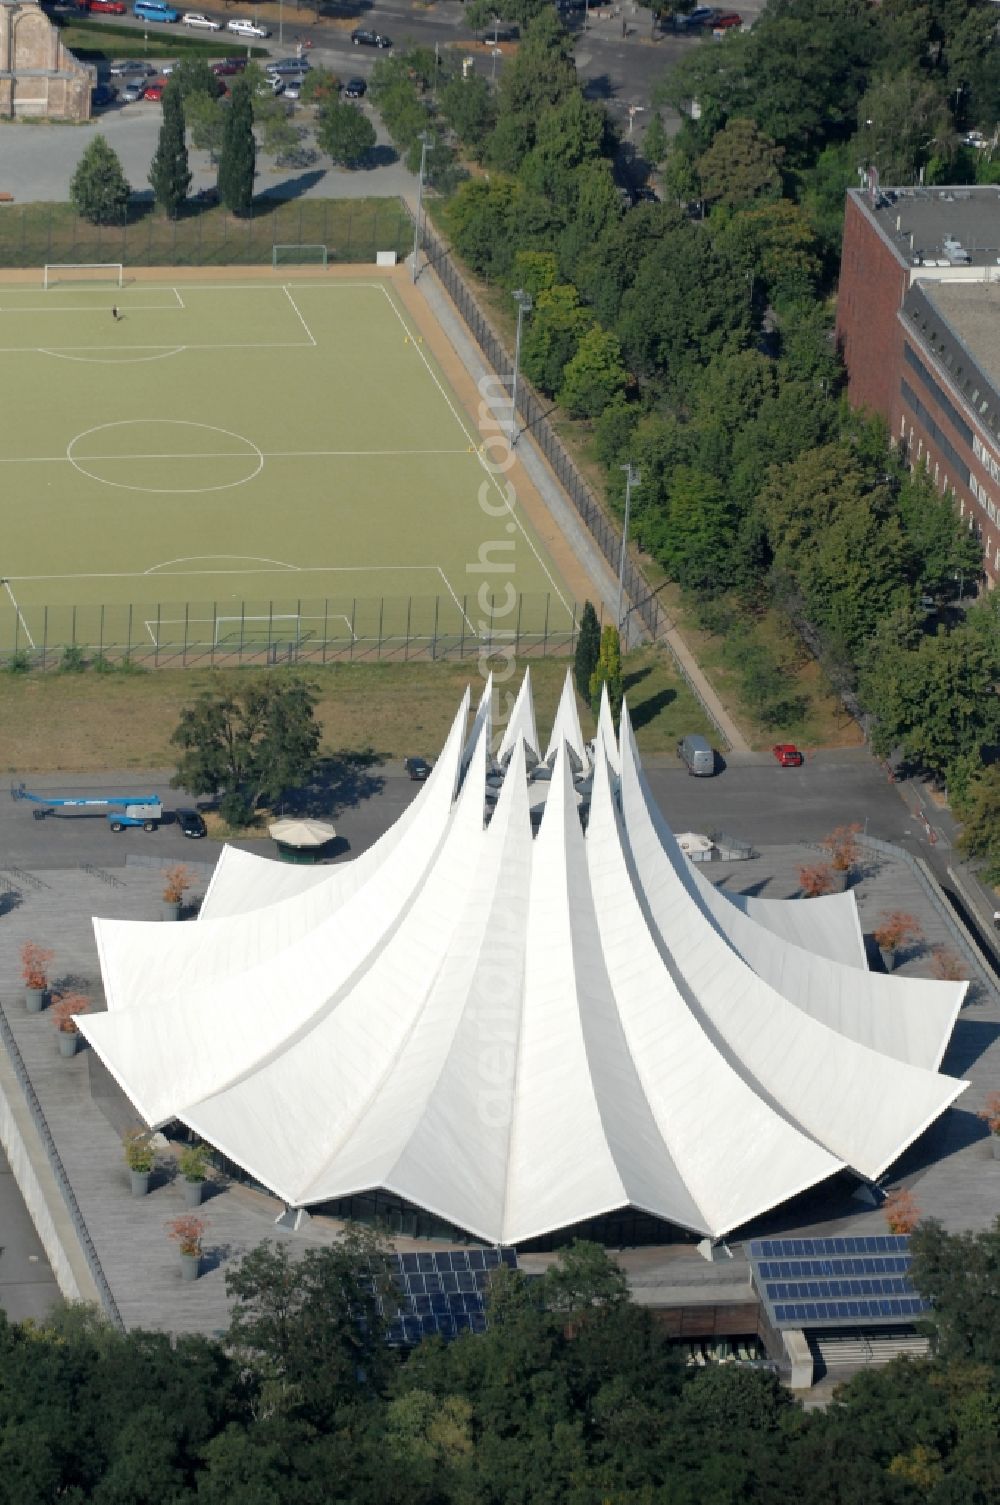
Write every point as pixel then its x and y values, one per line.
pixel 236 466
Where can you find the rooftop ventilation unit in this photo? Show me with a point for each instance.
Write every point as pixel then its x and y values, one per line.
pixel 955 252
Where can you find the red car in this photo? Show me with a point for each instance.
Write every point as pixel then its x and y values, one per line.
pixel 725 22
pixel 228 66
pixel 155 90
pixel 788 755
pixel 111 7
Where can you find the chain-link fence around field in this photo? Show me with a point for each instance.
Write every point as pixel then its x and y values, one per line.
pixel 533 412
pixel 324 630
pixel 353 230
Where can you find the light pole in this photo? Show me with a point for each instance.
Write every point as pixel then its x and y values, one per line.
pixel 425 142
pixel 633 111
pixel 960 577
pixel 281 23
pixel 497 52
pixel 524 306
pixel 632 478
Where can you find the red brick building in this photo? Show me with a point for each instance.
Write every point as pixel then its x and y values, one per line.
pixel 918 323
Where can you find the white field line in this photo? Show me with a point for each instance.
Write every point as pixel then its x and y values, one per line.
pixel 500 491
pixel 298 311
pixel 298 569
pixel 451 592
pixel 20 614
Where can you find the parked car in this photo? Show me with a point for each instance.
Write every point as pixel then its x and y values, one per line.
pixel 702 15
pixel 244 27
pixel 363 38
pixel 201 23
pixel 288 65
pixel 228 66
pixel 418 769
pixel 355 88
pixel 788 755
pixel 131 65
pixel 102 96
pixel 154 91
pixel 108 7
pixel 191 823
pixel 727 21
pixel 697 756
pixel 133 91
pixel 293 85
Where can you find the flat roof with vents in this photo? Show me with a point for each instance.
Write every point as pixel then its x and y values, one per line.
pixel 966 217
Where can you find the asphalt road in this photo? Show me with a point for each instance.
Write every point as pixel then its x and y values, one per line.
pixel 754 800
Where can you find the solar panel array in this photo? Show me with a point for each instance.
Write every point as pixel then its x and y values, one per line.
pixel 442 1294
pixel 836 1282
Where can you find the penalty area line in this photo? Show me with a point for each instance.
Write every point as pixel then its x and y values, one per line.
pixel 20 614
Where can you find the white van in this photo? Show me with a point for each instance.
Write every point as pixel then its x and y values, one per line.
pixel 246 28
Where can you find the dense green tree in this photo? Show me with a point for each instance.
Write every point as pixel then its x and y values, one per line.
pixel 552 336
pixel 169 173
pixel 468 107
pixel 608 673
pixel 594 376
pixel 934 701
pixel 206 120
pixel 901 119
pixel 588 649
pixel 977 802
pixel 942 548
pixel 345 133
pixel 311 1328
pixel 99 190
pixel 193 75
pixel 654 141
pixel 958 1273
pixel 741 166
pixel 253 744
pixel 319 86
pixel 238 155
pixel 696 540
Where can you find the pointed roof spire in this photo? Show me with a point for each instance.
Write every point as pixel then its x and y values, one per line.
pixel 521 725
pixel 566 728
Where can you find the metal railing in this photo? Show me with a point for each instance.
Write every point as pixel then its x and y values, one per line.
pixel 108 1301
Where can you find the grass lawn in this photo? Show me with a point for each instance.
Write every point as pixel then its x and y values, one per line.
pixel 281 463
pixel 351 229
pixel 90 722
pixel 824 723
pixel 99 42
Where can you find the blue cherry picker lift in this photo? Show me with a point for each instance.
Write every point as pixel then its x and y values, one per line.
pixel 123 810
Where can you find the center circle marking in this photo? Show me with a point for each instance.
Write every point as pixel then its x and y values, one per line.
pixel 165 456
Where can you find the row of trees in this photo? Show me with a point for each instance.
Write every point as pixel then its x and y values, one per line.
pixel 100 191
pixel 572 1395
pixel 695 334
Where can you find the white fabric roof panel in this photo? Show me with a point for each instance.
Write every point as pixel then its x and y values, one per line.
pixel 520 1032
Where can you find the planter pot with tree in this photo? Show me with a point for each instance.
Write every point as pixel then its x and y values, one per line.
pixel 896 929
pixel 35 961
pixel 815 879
pixel 176 882
pixel 193 1167
pixel 140 1158
pixel 990 1116
pixel 901 1212
pixel 842 847
pixel 187 1232
pixel 63 1012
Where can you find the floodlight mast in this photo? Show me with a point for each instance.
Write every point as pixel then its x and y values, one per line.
pixel 524 306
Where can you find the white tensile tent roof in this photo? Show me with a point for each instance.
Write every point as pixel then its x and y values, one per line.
pixel 515 1031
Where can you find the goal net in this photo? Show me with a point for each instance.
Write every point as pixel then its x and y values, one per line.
pixel 72 273
pixel 298 256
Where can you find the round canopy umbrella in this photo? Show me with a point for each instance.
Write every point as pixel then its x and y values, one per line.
pixel 301 833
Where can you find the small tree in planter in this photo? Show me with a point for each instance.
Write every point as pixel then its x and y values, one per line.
pixel 140 1158
pixel 990 1116
pixel 176 882
pixel 842 846
pixel 62 1017
pixel 187 1232
pixel 193 1166
pixel 901 1212
pixel 815 879
pixel 35 974
pixel 895 930
pixel 946 966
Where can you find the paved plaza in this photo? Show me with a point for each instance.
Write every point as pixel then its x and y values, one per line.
pixel 950 1170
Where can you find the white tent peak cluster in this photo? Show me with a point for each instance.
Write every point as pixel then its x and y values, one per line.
pixel 518 1024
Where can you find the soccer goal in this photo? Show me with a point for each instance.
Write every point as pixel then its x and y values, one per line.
pixel 278 627
pixel 298 256
pixel 72 273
